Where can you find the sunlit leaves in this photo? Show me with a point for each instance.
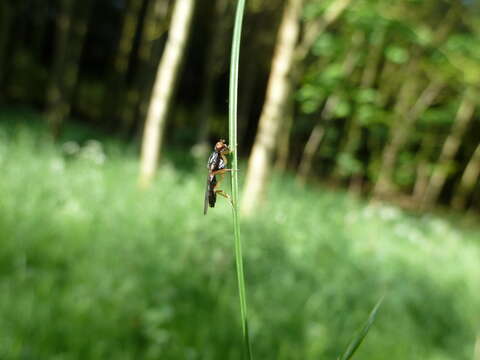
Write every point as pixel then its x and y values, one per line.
pixel 348 165
pixel 325 45
pixel 396 54
pixel 314 8
pixel 366 95
pixel 343 108
pixel 310 98
pixel 463 52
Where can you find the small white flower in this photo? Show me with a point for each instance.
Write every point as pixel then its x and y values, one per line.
pixel 70 148
pixel 93 151
pixel 57 165
pixel 388 213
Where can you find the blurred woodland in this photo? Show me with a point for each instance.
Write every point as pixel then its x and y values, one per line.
pixel 379 97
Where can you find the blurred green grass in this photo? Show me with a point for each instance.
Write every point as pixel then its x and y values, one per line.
pixel 92 268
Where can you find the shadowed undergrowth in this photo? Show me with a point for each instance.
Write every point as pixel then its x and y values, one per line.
pixel 91 268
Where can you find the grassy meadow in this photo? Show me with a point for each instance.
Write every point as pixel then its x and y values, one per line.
pixel 93 268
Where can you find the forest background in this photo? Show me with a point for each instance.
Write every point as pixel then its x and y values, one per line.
pixel 359 139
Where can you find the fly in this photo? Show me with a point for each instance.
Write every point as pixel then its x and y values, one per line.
pixel 216 165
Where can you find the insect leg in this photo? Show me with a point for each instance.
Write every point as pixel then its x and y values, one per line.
pixel 221 174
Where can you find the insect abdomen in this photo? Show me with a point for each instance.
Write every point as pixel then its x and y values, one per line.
pixel 212 197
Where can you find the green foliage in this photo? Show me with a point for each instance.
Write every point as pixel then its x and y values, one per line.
pixel 325 45
pixel 396 54
pixel 92 268
pixel 348 165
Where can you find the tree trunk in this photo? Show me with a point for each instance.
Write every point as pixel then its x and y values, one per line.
pixel 423 167
pixel 17 49
pixel 314 140
pixel 287 57
pixel 449 150
pixel 69 42
pixel 316 136
pixel 154 25
pixel 246 93
pixel 55 90
pixel 214 65
pixel 39 27
pixel 470 177
pixel 283 146
pixel 389 84
pixel 403 124
pixel 369 76
pixel 165 80
pixel 399 132
pixel 312 31
pixel 309 151
pixel 117 86
pixel 315 28
pixel 278 94
pixel 374 57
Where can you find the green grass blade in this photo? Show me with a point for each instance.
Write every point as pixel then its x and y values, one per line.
pixel 357 341
pixel 232 124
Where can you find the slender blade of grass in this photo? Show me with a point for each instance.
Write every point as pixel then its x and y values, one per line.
pixel 357 340
pixel 232 124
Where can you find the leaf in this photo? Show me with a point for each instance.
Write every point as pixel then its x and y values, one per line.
pixel 342 109
pixel 365 96
pixel 325 45
pixel 348 164
pixel 357 340
pixel 396 54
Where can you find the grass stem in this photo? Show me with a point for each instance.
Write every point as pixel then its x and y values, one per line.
pixel 232 125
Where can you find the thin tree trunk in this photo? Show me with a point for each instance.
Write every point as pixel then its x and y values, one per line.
pixel 287 57
pixel 39 27
pixel 116 89
pixel 155 24
pixel 388 83
pixel 69 42
pixel 311 32
pixel 283 147
pixel 278 93
pixel 311 147
pixel 369 76
pixel 246 92
pixel 214 65
pixel 316 136
pixel 55 90
pixel 76 44
pixel 449 150
pixel 388 86
pixel 315 28
pixel 17 50
pixel 314 140
pixel 401 128
pixel 165 80
pixel 423 167
pixel 374 57
pixel 470 177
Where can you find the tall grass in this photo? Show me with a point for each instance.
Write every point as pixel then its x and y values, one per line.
pixel 232 125
pixel 93 269
pixel 358 339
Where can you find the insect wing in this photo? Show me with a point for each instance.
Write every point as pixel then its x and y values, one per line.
pixel 207 188
pixel 212 163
